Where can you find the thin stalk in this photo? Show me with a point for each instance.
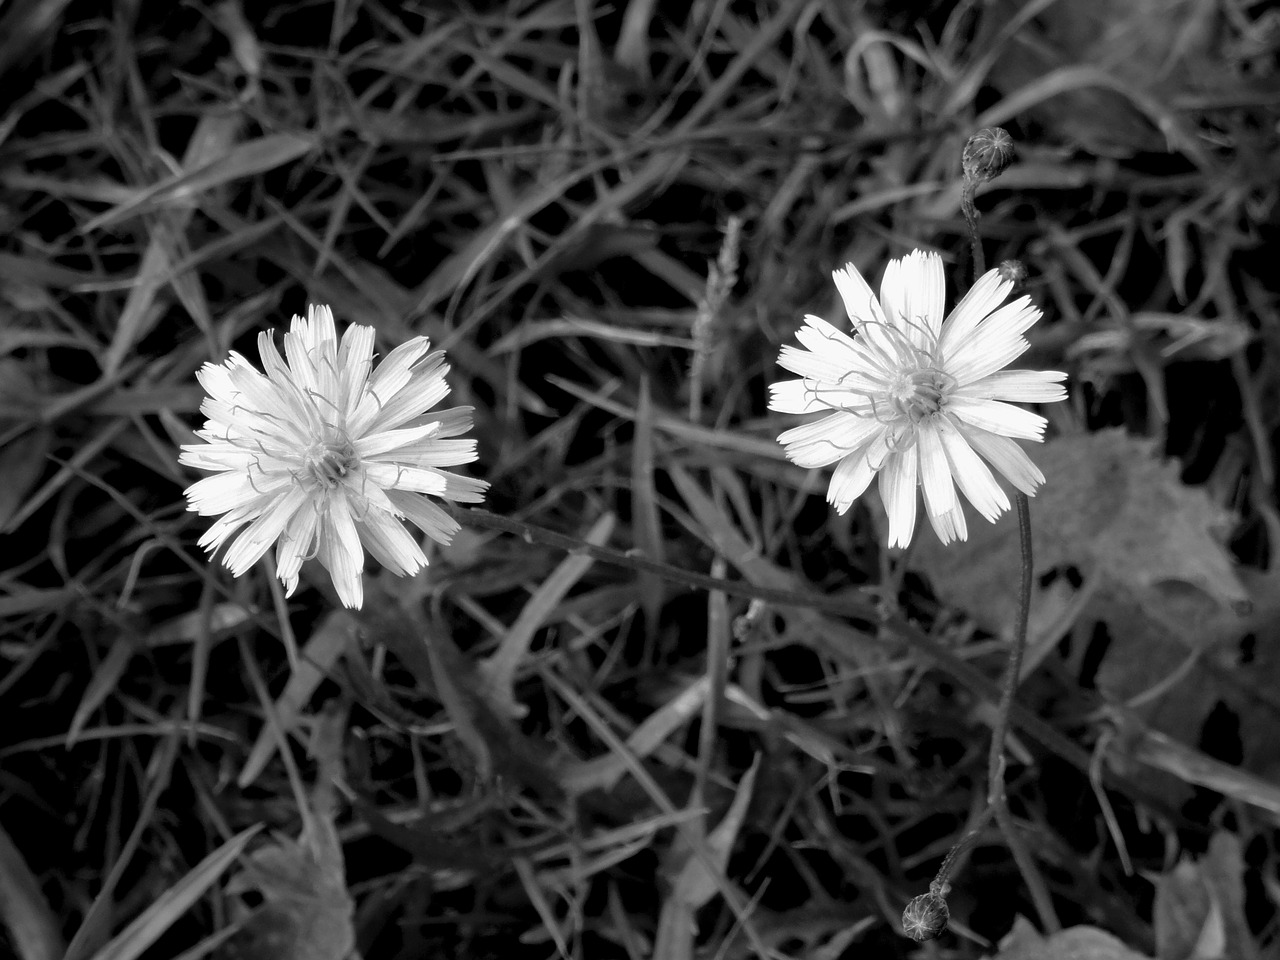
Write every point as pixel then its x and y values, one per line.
pixel 997 800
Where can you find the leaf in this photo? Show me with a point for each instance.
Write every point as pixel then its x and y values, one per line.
pixel 1152 49
pixel 1110 509
pixel 21 463
pixel 211 161
pixel 307 913
pixel 1076 943
pixel 1154 571
pixel 1199 907
pixel 24 912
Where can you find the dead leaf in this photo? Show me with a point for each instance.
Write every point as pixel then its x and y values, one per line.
pixel 1024 942
pixel 1199 907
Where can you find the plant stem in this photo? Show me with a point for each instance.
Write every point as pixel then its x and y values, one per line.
pixel 975 239
pixel 997 800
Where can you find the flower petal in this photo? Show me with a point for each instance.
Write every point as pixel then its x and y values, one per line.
pixel 859 302
pixel 898 482
pixel 425 388
pixel 983 298
pixel 1019 386
pixel 258 537
pixel 995 416
pixel 391 376
pixel 389 542
pixel 950 525
pixel 850 480
pixel 935 471
pixel 425 515
pixel 827 440
pixel 340 551
pixel 355 360
pixel 853 474
pixel 994 345
pixel 296 545
pixel 391 441
pixel 1006 456
pixel 970 473
pixel 912 294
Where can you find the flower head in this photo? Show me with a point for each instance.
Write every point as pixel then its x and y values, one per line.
pixel 918 399
pixel 324 456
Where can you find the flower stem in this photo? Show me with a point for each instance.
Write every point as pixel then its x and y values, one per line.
pixel 975 239
pixel 985 156
pixel 997 800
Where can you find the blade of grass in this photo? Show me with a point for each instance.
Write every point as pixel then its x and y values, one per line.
pixel 146 929
pixel 33 927
pixel 500 668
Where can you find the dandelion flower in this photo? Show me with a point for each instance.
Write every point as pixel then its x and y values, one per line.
pixel 324 456
pixel 920 400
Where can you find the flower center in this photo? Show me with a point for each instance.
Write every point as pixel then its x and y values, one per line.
pixel 330 458
pixel 919 394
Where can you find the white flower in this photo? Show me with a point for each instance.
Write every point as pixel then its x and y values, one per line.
pixel 325 454
pixel 912 396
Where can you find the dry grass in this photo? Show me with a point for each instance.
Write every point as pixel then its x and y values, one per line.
pixel 734 725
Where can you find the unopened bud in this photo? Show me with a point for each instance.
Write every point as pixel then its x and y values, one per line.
pixel 925 917
pixel 1013 271
pixel 986 155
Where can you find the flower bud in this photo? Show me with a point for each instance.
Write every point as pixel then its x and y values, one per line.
pixel 926 917
pixel 986 155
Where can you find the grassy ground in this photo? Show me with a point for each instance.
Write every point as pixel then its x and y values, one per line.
pixel 611 216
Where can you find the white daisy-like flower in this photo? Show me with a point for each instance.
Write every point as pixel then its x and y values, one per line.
pixel 324 456
pixel 920 400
